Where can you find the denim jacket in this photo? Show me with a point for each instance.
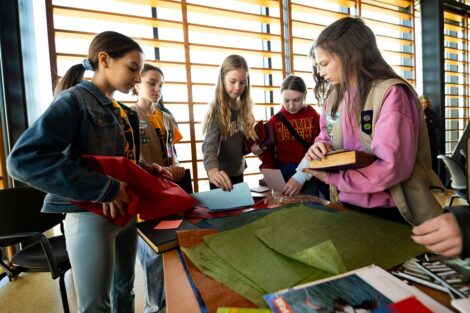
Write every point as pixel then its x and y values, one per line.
pixel 47 156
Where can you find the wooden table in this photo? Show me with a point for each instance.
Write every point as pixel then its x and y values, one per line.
pixel 180 296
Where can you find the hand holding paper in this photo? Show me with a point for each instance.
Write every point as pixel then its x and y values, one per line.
pixel 159 170
pixel 217 199
pixel 220 179
pixel 119 204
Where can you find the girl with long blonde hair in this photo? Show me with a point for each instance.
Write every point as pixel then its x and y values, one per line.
pixel 229 122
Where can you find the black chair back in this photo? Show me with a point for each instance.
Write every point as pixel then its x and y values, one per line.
pixel 20 211
pixel 21 220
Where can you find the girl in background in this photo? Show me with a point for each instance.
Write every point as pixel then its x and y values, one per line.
pixel 158 135
pixel 294 128
pixel 48 157
pixel 370 108
pixel 228 123
pixel 431 123
pixel 158 130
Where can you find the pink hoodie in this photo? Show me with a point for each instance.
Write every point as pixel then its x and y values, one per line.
pixel 395 145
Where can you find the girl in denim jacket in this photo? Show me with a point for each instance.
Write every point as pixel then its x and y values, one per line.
pixel 84 118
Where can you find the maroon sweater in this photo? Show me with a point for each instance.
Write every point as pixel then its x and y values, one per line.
pixel 286 149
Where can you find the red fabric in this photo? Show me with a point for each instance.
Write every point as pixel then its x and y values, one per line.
pixel 150 196
pixel 409 305
pixel 286 149
pixel 265 137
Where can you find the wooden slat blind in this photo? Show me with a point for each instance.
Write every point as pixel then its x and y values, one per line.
pixel 456 78
pixel 392 21
pixel 193 39
pixel 189 39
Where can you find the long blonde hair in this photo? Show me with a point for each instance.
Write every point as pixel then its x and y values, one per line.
pixel 423 97
pixel 220 106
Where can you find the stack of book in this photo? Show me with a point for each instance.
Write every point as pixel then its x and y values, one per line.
pixel 160 239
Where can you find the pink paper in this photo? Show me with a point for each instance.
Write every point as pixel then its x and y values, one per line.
pixel 172 224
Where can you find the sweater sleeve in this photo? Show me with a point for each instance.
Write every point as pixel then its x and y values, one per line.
pixel 462 215
pixel 210 147
pixel 300 176
pixel 394 144
pixel 38 157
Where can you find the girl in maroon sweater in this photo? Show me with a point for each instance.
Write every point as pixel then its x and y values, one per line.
pixel 294 127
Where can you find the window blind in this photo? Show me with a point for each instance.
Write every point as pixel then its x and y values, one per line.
pixel 189 39
pixel 456 78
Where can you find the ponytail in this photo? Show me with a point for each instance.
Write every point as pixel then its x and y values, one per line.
pixel 73 76
pixel 114 44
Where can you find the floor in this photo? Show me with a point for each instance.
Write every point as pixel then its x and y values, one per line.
pixel 38 293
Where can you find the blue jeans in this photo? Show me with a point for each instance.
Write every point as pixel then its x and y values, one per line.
pixel 152 267
pixel 103 256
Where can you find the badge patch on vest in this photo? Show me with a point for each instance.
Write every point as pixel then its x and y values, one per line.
pixel 330 121
pixel 366 122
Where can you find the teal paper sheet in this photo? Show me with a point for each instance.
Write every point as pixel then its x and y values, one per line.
pixel 219 200
pixel 299 244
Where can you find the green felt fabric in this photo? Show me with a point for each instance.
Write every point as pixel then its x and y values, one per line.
pixel 266 267
pixel 297 244
pixel 323 256
pixel 357 239
pixel 231 222
pixel 210 264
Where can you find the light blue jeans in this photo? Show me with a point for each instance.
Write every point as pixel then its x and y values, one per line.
pixel 152 267
pixel 103 256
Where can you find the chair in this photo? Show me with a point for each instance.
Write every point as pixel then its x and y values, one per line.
pixel 463 154
pixel 457 177
pixel 21 221
pixel 185 182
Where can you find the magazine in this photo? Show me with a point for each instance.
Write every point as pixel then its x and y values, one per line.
pixel 362 290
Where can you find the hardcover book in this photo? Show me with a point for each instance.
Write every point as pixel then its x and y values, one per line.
pixel 162 239
pixel 342 160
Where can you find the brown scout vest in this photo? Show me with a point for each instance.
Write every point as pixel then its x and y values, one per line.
pixel 151 147
pixel 413 197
